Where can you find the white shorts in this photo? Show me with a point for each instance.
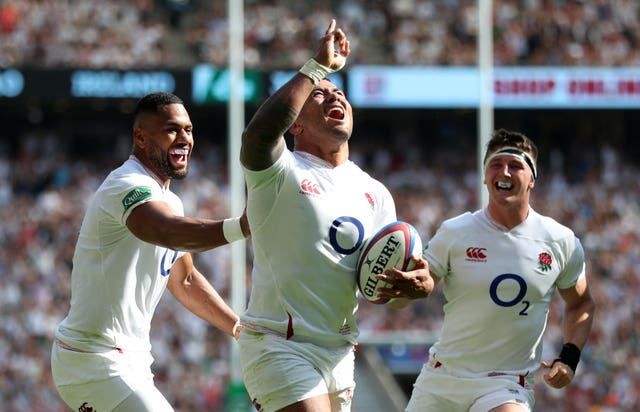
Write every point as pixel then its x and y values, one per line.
pixel 104 380
pixel 440 389
pixel 279 372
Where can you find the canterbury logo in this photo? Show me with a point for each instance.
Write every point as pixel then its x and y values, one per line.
pixel 476 253
pixel 86 408
pixel 309 187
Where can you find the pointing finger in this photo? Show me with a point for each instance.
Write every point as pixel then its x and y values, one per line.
pixel 332 27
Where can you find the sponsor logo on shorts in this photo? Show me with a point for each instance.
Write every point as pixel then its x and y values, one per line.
pixel 137 195
pixel 476 254
pixel 86 408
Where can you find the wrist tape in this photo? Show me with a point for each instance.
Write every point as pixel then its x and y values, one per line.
pixel 569 355
pixel 315 71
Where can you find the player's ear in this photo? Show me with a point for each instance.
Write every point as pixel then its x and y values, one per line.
pixel 139 137
pixel 296 129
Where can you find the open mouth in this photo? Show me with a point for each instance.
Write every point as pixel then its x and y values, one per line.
pixel 179 155
pixel 504 185
pixel 336 112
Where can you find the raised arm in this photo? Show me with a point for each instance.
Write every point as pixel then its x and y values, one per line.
pixel 263 139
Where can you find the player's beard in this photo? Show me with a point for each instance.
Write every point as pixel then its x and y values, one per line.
pixel 161 161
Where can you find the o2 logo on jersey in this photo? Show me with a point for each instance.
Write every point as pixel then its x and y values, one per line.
pixel 334 232
pixel 522 291
pixel 165 264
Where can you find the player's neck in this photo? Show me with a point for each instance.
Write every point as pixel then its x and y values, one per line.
pixel 333 157
pixel 507 217
pixel 147 166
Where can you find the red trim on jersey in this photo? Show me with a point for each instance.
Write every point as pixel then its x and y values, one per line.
pixel 290 327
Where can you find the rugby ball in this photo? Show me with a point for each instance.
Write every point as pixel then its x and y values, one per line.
pixel 391 246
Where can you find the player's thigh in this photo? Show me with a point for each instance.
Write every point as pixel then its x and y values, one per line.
pixel 278 380
pixel 510 407
pixel 439 389
pixel 320 403
pixel 504 394
pixel 146 398
pixel 115 394
pixel 75 367
pixel 435 390
pixel 279 373
pixel 100 381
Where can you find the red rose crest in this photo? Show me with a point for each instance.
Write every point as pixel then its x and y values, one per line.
pixel 370 200
pixel 544 261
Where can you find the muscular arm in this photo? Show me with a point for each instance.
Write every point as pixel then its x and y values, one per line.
pixel 262 140
pixel 194 292
pixel 576 327
pixel 578 313
pixel 156 222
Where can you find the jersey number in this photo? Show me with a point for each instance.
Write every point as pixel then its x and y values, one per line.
pixel 493 292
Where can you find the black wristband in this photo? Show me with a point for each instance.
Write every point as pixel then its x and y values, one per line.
pixel 569 355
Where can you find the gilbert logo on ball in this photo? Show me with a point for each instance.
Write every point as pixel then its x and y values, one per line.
pixel 391 246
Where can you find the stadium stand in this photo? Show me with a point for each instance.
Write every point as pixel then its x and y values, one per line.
pixel 45 186
pixel 278 33
pixel 48 171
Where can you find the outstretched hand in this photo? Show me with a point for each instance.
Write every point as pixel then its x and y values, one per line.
pixel 334 48
pixel 558 374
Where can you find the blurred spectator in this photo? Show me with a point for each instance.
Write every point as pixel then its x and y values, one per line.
pixel 46 188
pixel 179 33
pixel 44 185
pixel 8 17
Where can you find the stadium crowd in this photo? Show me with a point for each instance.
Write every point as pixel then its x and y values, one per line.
pixel 44 187
pixel 122 34
pixel 44 190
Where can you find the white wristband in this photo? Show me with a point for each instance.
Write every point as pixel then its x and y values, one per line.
pixel 232 230
pixel 315 71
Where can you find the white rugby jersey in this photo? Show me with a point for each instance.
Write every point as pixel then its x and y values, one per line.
pixel 117 279
pixel 308 222
pixel 498 286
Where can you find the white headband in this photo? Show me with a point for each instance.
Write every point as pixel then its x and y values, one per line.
pixel 514 152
